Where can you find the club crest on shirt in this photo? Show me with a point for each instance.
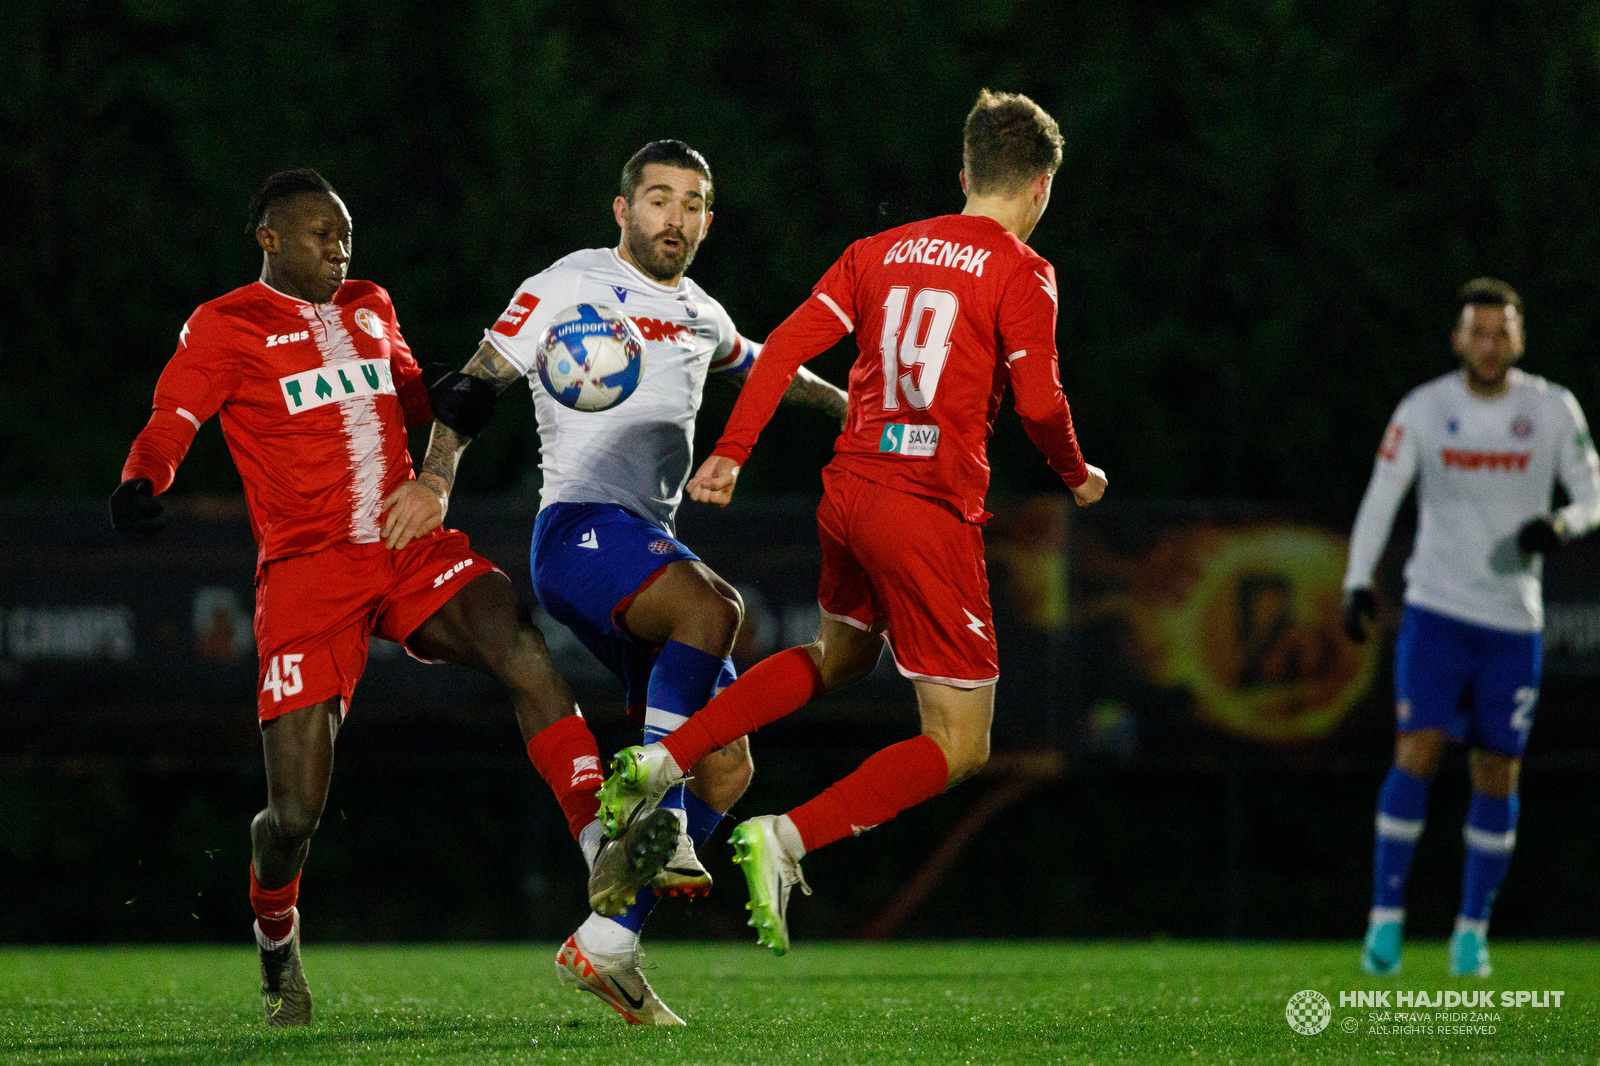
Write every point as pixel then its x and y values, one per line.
pixel 1522 427
pixel 660 547
pixel 370 323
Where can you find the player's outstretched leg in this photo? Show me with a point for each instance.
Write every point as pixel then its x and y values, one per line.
pixel 298 748
pixel 616 979
pixel 771 870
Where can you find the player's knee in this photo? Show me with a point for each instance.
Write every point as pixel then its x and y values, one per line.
pixel 722 777
pixel 293 823
pixel 1418 754
pixel 725 611
pixel 965 755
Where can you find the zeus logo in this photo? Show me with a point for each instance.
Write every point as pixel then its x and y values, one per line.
pixel 286 338
pixel 452 572
pixel 585 768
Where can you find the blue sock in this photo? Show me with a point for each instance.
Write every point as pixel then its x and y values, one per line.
pixel 1491 833
pixel 681 682
pixel 1402 809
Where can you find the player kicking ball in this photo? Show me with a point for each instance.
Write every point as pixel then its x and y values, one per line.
pixel 315 387
pixel 1485 446
pixel 604 558
pixel 945 311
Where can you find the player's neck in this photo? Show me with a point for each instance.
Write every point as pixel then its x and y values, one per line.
pixel 1486 390
pixel 281 285
pixel 1015 213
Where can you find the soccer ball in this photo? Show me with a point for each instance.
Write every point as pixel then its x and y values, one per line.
pixel 591 357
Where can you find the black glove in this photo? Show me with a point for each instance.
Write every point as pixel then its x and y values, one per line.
pixel 134 510
pixel 1360 609
pixel 1538 535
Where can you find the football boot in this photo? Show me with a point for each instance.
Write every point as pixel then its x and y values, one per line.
pixel 1380 951
pixel 625 865
pixel 640 776
pixel 771 873
pixel 683 875
pixel 1469 950
pixel 616 979
pixel 285 996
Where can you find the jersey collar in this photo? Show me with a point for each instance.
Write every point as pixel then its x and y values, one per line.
pixel 294 299
pixel 646 278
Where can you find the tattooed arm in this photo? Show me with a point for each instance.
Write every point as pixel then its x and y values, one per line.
pixel 417 507
pixel 808 390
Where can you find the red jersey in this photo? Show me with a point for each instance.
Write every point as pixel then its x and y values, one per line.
pixel 945 312
pixel 314 401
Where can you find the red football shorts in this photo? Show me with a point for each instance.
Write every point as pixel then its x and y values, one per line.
pixel 911 564
pixel 316 613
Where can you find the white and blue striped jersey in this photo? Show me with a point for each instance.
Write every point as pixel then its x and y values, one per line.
pixel 637 454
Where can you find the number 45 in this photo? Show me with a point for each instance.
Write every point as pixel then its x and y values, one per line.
pixel 283 676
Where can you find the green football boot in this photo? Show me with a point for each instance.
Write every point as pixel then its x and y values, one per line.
pixel 770 873
pixel 640 776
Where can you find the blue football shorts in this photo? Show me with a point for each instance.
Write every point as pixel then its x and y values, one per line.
pixel 589 560
pixel 1479 685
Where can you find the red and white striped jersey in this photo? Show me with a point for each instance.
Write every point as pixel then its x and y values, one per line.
pixel 314 401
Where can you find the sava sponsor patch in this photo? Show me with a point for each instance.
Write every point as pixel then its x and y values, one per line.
pixel 900 438
pixel 337 381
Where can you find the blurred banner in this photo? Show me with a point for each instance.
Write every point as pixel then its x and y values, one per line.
pixel 1125 631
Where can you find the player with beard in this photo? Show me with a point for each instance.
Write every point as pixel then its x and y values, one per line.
pixel 1485 445
pixel 605 561
pixel 314 386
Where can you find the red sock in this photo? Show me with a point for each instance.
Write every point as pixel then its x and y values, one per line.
pixel 568 759
pixel 274 907
pixel 900 776
pixel 776 686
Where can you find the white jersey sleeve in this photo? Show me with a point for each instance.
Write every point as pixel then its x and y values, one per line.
pixel 733 352
pixel 1579 471
pixel 515 334
pixel 1392 475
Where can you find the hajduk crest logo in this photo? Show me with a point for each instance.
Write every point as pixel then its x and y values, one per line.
pixel 1308 1012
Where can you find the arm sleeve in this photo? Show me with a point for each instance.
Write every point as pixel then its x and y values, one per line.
pixel 813 328
pixel 197 381
pixel 738 357
pixel 1579 470
pixel 408 384
pixel 1027 327
pixel 515 334
pixel 1392 475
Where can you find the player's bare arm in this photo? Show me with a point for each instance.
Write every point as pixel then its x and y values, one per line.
pixel 418 507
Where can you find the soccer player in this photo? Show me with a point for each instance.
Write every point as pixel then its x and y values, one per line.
pixel 1485 445
pixel 945 312
pixel 605 561
pixel 315 386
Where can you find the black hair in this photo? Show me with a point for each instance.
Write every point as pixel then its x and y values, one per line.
pixel 1487 292
pixel 281 186
pixel 668 153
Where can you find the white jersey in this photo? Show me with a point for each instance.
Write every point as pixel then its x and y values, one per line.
pixel 637 454
pixel 1484 467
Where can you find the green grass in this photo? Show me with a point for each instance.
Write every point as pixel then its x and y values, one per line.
pixel 980 1003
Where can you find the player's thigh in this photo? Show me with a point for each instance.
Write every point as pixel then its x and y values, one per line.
pixel 1433 668
pixel 1505 691
pixel 685 601
pixel 479 627
pixel 927 571
pixel 313 627
pixel 846 652
pixel 426 575
pixel 958 720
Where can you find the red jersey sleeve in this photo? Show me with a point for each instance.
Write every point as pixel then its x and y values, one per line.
pixel 408 384
pixel 199 378
pixel 1027 327
pixel 813 328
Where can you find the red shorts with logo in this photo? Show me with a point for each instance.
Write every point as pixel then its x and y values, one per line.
pixel 316 613
pixel 909 563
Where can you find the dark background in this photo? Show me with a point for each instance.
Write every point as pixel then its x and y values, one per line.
pixel 1261 218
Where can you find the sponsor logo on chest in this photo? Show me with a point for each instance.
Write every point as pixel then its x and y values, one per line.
pixel 900 438
pixel 1466 459
pixel 655 329
pixel 345 380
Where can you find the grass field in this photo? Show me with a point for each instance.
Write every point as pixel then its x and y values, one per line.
pixel 979 1003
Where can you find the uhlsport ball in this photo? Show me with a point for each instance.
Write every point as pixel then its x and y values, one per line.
pixel 591 357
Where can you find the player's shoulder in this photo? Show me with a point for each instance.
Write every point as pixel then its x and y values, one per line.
pixel 230 312
pixel 572 267
pixel 1447 386
pixel 354 291
pixel 1544 392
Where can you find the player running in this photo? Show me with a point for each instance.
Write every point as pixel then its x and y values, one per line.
pixel 315 386
pixel 605 561
pixel 1485 445
pixel 945 311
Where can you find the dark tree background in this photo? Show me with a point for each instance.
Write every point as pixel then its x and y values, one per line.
pixel 1263 212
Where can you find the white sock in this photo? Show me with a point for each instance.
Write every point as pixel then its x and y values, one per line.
pixel 590 839
pixel 1469 925
pixel 606 937
pixel 789 837
pixel 1379 915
